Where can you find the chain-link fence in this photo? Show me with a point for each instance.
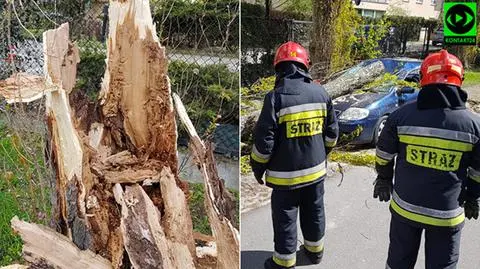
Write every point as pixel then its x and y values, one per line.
pixel 199 40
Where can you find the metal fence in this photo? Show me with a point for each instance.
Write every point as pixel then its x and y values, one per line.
pixel 188 39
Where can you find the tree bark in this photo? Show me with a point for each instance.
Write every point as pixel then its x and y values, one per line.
pixel 321 46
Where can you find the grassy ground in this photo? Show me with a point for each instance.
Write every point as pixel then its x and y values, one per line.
pixel 197 208
pixel 360 158
pixel 24 188
pixel 353 158
pixel 472 77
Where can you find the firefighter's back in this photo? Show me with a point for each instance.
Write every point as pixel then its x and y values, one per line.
pixel 302 108
pixel 434 152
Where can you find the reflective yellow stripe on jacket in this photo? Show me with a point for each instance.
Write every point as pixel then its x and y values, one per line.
pixel 474 174
pixel 438 138
pixel 259 157
pixel 435 148
pixel 330 142
pixel 290 178
pixel 443 218
pixel 304 111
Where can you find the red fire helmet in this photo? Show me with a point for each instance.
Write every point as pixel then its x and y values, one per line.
pixel 291 51
pixel 441 68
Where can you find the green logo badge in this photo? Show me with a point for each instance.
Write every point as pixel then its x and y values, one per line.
pixel 460 23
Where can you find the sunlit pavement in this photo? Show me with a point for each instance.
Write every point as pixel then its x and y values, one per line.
pixel 357 229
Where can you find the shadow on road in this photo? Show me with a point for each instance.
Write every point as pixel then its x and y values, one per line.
pixel 254 259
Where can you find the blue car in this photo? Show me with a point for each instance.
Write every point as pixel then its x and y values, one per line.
pixel 369 110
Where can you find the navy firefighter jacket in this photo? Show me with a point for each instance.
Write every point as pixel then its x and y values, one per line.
pixel 296 128
pixel 436 144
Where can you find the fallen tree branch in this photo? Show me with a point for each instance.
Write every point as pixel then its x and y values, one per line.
pixel 42 245
pixel 22 88
pixel 226 236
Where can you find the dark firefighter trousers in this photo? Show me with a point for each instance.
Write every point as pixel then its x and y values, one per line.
pixel 285 206
pixel 442 246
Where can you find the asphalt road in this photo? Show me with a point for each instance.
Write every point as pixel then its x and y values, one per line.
pixel 357 230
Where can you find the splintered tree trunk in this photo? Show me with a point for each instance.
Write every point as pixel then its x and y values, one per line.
pixel 218 201
pixel 118 193
pixel 118 201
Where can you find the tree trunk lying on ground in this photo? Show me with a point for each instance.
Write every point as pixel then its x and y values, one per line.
pixel 117 192
pixel 43 245
pixel 355 80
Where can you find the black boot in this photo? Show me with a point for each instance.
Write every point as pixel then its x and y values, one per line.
pixel 270 264
pixel 314 258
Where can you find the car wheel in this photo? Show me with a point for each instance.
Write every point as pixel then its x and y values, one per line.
pixel 378 129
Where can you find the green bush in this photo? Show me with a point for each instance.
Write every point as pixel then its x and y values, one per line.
pixel 344 38
pixel 408 28
pixel 91 67
pixel 245 167
pixel 197 209
pixel 196 203
pixel 259 88
pixel 197 24
pixel 209 92
pixel 391 79
pixel 256 10
pixel 360 159
pixel 368 41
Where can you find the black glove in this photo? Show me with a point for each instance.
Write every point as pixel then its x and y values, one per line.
pixel 383 189
pixel 471 208
pixel 258 177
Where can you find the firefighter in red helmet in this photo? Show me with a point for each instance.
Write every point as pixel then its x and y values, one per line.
pixel 296 129
pixel 428 163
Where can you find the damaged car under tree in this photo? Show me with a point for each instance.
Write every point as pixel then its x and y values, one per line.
pixel 367 110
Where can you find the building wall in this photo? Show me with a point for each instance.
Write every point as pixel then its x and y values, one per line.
pixel 428 9
pixel 417 8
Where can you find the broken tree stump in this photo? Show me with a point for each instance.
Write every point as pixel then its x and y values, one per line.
pixel 218 200
pixel 117 183
pixel 118 200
